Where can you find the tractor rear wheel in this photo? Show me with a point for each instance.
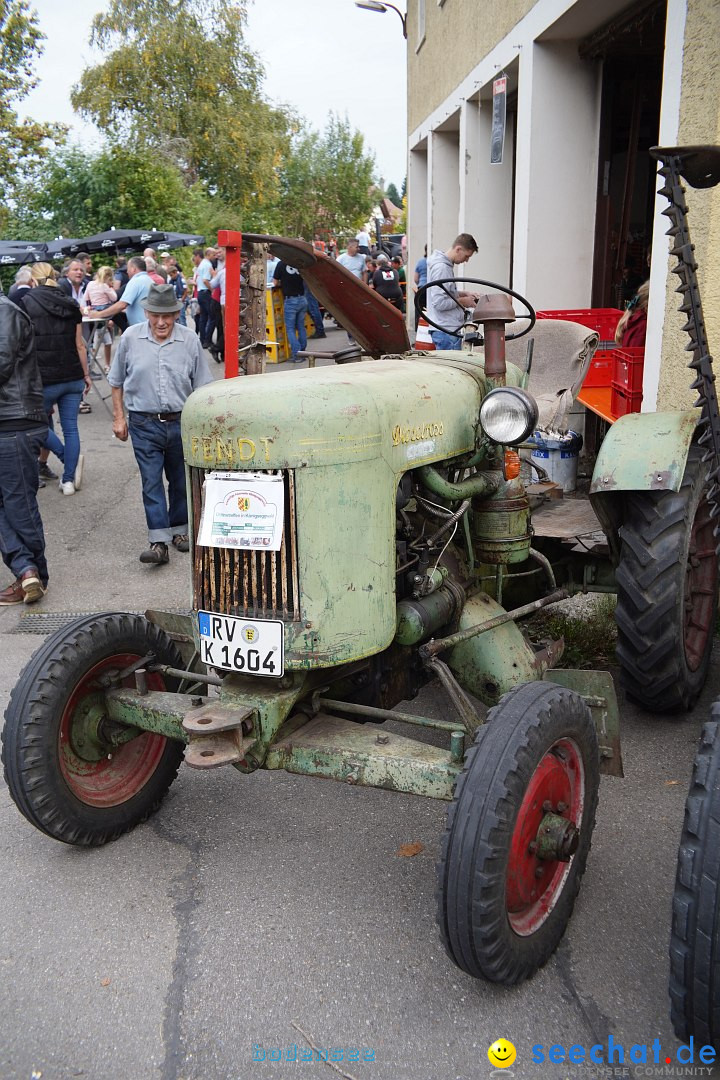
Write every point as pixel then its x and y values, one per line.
pixel 695 939
pixel 65 773
pixel 518 833
pixel 667 583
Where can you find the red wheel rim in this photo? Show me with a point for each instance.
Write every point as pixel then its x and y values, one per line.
pixel 116 778
pixel 533 885
pixel 700 587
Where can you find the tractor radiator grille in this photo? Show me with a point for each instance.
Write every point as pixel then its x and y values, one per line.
pixel 259 584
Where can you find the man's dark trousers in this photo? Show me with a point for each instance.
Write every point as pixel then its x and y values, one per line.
pixel 206 318
pixel 22 541
pixel 157 445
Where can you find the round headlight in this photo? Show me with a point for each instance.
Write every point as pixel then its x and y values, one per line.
pixel 508 415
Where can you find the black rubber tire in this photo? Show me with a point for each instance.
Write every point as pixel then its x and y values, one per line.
pixel 658 670
pixel 31 735
pixel 473 868
pixel 695 937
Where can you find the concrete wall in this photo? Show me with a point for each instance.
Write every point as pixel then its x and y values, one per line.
pixel 457 33
pixel 698 122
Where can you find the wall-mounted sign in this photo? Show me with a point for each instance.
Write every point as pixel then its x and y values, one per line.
pixel 497 137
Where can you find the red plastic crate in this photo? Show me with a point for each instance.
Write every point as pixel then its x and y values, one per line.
pixel 622 402
pixel 600 372
pixel 628 367
pixel 604 320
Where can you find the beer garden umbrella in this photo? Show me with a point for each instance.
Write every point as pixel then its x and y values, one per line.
pixel 176 240
pixel 18 254
pixel 112 240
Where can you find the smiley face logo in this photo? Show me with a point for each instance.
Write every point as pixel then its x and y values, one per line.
pixel 501 1054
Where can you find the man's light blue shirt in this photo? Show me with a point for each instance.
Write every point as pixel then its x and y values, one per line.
pixel 204 273
pixel 136 290
pixel 158 376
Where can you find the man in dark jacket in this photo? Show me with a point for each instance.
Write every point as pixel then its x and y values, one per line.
pixel 386 281
pixel 23 427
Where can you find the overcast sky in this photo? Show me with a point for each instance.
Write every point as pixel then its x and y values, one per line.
pixel 319 55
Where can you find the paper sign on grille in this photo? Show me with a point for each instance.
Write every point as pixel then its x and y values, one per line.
pixel 242 510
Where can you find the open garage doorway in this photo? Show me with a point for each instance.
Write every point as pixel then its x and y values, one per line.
pixel 631 49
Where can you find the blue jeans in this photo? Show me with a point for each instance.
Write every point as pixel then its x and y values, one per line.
pixel 67 396
pixel 158 447
pixel 441 340
pixel 206 318
pixel 315 313
pixel 22 541
pixel 295 309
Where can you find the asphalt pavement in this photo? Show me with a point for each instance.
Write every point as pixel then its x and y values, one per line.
pixel 256 914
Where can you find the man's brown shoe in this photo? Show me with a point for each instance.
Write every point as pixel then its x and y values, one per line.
pixel 31 586
pixel 12 595
pixel 156 554
pixel 181 542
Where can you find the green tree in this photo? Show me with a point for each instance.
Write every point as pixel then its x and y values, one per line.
pixel 327 182
pixel 391 193
pixel 84 192
pixel 22 142
pixel 178 80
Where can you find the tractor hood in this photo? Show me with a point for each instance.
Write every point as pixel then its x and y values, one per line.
pixel 373 322
pixel 408 411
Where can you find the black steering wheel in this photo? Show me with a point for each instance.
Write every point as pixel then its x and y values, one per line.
pixel 421 295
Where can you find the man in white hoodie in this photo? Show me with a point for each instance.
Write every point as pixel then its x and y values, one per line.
pixel 445 304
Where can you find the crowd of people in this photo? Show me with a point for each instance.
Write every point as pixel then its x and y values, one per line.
pixel 50 324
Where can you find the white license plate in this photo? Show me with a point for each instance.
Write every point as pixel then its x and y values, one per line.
pixel 252 646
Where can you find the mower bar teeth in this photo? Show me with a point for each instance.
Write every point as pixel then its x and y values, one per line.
pixel 694 326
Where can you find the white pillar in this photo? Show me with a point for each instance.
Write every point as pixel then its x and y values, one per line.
pixel 444 169
pixel 418 221
pixel 557 162
pixel 486 192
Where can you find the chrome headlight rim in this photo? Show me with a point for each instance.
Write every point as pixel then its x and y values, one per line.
pixel 516 395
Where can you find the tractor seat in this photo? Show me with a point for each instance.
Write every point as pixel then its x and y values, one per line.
pixel 561 356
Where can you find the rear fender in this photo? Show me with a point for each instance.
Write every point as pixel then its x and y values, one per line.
pixel 641 452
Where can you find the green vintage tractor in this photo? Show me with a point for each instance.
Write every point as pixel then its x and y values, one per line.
pixel 358 531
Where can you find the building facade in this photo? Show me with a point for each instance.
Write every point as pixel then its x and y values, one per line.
pixel 570 214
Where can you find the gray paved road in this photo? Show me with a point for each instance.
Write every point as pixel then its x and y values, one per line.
pixel 249 904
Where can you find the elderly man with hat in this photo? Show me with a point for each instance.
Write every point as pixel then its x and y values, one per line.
pixel 157 366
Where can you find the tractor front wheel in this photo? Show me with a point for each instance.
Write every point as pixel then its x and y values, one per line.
pixel 695 938
pixel 518 833
pixel 667 584
pixel 67 771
